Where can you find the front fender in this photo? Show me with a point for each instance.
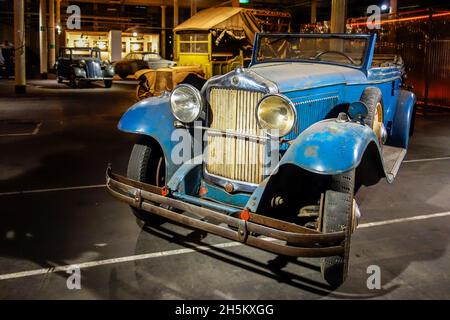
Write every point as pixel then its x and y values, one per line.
pixel 108 72
pixel 330 147
pixel 138 74
pixel 152 117
pixel 79 72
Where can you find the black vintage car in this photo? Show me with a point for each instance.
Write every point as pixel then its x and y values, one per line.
pixel 83 65
pixel 136 61
pixel 6 62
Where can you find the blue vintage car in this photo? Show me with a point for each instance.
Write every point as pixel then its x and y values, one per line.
pixel 274 154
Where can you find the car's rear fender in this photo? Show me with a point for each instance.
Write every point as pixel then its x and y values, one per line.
pixel 404 114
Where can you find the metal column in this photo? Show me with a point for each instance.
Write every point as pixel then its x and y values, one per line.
pixel 163 31
pixel 193 7
pixel 19 44
pixel 175 13
pixel 338 14
pixel 393 6
pixel 58 22
pixel 235 3
pixel 51 33
pixel 43 38
pixel 313 11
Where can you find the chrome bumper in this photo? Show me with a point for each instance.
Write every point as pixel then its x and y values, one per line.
pixel 298 241
pixel 95 79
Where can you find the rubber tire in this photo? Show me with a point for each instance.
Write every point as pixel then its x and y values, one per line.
pixel 59 79
pixel 337 216
pixel 108 83
pixel 144 88
pixel 413 122
pixel 74 83
pixel 370 97
pixel 142 166
pixel 338 205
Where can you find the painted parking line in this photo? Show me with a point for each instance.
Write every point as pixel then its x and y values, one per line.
pixel 91 264
pixel 32 133
pixel 92 186
pixel 414 218
pixel 145 256
pixel 426 159
pixel 11 193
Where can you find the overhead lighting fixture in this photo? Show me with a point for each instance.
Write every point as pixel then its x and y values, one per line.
pixel 135 34
pixel 384 7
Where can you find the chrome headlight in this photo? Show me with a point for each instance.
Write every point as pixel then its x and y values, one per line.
pixel 276 115
pixel 186 103
pixel 82 63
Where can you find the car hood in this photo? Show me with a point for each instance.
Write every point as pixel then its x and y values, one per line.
pixel 302 75
pixel 162 61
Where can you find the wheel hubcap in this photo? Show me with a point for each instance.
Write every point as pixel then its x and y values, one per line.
pixel 378 120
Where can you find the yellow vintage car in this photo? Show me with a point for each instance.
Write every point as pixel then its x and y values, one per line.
pixel 220 39
pixel 213 42
pixel 153 82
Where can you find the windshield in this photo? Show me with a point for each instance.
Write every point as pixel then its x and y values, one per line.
pixel 347 51
pixel 78 53
pixel 151 56
pixel 143 56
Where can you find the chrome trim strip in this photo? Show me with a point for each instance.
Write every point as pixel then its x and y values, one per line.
pixel 238 186
pixel 315 100
pixel 233 134
pixel 240 79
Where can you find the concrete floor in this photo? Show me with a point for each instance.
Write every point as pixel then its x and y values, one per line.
pixel 77 137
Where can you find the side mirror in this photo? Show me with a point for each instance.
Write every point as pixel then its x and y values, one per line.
pixel 358 110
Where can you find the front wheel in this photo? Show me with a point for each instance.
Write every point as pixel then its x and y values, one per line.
pixel 338 215
pixel 146 164
pixel 74 83
pixel 142 90
pixel 108 83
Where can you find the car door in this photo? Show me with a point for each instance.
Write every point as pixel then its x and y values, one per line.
pixel 64 64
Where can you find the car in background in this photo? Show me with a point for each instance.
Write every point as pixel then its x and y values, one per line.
pixel 82 65
pixel 6 62
pixel 153 82
pixel 136 61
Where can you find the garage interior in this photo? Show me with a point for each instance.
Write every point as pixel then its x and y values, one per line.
pixel 57 141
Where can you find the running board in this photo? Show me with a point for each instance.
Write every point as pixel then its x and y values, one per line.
pixel 392 159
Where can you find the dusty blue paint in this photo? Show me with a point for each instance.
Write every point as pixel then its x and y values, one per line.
pixel 253 202
pixel 293 76
pixel 404 113
pixel 329 147
pixel 187 178
pixel 152 117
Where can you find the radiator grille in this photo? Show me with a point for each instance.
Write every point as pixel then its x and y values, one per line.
pixel 232 157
